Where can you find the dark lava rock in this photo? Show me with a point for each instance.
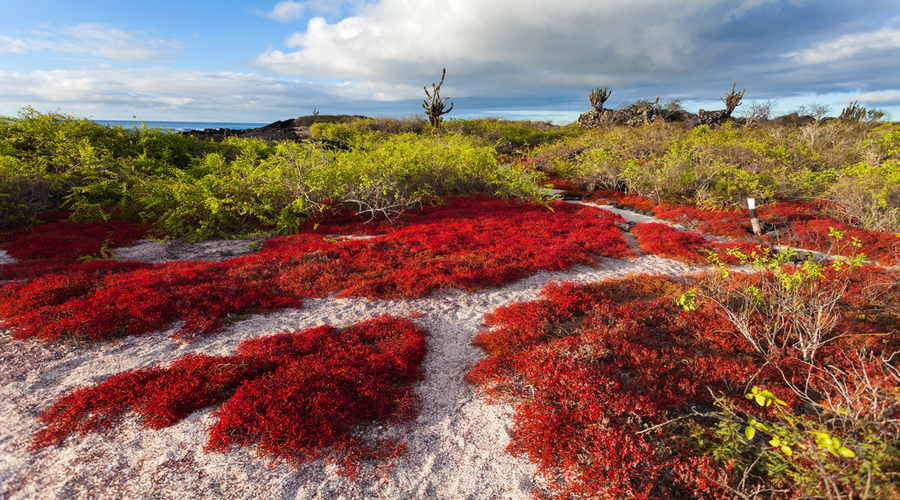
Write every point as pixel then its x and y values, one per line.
pixel 571 197
pixel 296 129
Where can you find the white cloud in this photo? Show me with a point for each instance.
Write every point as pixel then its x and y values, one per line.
pixel 12 46
pixel 890 97
pixel 848 46
pixel 287 11
pixel 510 45
pixel 151 93
pixel 92 39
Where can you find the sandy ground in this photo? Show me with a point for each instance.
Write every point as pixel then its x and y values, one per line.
pixel 456 446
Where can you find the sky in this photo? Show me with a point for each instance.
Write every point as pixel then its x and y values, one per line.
pixel 265 60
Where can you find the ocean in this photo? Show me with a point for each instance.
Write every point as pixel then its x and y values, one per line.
pixel 180 126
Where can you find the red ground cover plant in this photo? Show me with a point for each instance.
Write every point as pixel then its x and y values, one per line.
pixel 690 247
pixel 732 223
pixel 803 225
pixel 596 370
pixel 56 245
pixel 71 239
pixel 89 304
pixel 297 395
pixel 666 241
pixel 798 224
pixel 470 243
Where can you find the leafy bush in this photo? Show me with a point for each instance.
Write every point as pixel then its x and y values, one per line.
pixel 46 159
pixel 198 189
pixel 842 444
pixel 723 165
pixel 296 394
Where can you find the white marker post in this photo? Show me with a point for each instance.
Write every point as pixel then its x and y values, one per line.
pixel 751 203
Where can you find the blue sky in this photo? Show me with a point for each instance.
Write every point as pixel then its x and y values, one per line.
pixel 261 61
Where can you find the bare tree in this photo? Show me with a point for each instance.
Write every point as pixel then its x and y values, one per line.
pixel 761 110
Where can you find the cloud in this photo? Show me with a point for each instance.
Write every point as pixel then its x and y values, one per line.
pixel 518 47
pixel 509 45
pixel 12 46
pixel 848 46
pixel 287 11
pixel 888 98
pixel 93 39
pixel 151 93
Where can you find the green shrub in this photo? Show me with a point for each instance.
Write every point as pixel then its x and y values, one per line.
pixel 507 137
pixel 48 159
pixel 276 188
pixel 869 195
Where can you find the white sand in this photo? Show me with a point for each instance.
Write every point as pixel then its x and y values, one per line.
pixel 456 445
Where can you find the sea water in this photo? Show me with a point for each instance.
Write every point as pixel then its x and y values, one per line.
pixel 180 126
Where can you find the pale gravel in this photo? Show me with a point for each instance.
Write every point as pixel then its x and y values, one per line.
pixel 456 446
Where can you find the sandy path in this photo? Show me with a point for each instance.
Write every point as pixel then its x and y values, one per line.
pixel 456 447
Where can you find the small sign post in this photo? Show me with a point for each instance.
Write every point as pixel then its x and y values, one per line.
pixel 751 203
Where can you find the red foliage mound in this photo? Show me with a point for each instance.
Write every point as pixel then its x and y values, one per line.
pixel 470 243
pixel 596 369
pixel 591 367
pixel 731 223
pixel 295 394
pixel 690 247
pixel 474 242
pixel 72 239
pixel 95 301
pixel 57 245
pixel 666 241
pixel 799 224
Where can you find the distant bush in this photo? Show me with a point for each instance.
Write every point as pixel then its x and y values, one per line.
pixel 849 162
pixel 868 192
pixel 506 136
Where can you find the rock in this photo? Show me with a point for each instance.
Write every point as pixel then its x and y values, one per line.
pixel 296 129
pixel 712 117
pixel 592 119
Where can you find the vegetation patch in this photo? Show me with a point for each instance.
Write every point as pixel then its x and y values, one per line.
pixel 472 242
pixel 295 395
pixel 616 385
